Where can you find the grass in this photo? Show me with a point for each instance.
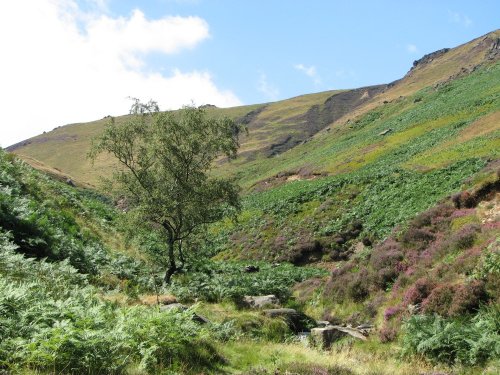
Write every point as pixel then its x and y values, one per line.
pixel 244 356
pixel 438 145
pixel 65 147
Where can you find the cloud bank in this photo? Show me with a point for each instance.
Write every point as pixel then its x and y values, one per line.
pixel 60 65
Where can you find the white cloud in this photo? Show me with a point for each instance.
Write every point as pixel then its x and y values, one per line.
pixel 411 48
pixel 268 89
pixel 462 19
pixel 61 65
pixel 309 71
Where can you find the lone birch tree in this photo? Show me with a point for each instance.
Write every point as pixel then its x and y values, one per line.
pixel 165 159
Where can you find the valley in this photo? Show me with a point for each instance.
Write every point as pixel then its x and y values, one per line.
pixel 373 210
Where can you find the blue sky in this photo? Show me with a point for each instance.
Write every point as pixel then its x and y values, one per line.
pixel 78 60
pixel 349 43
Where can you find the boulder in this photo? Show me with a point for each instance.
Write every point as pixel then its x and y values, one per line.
pixel 386 131
pixel 297 321
pixel 325 336
pixel 259 302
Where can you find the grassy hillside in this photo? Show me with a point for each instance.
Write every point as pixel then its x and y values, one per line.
pixel 377 205
pixel 74 299
pixel 329 119
pixel 435 148
pixel 273 128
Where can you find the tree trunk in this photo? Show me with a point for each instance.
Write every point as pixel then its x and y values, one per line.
pixel 172 268
pixel 181 255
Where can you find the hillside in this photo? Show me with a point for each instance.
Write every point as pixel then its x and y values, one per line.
pixel 76 297
pixel 374 207
pixel 277 127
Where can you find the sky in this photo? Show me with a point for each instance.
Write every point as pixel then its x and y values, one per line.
pixel 67 61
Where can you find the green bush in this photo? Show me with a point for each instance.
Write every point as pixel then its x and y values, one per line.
pixel 51 319
pixel 215 281
pixel 469 340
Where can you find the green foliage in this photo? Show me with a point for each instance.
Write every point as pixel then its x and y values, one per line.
pixel 52 320
pixel 215 281
pixel 469 340
pixel 48 219
pixel 165 159
pixel 380 181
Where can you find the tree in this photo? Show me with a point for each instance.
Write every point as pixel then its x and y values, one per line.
pixel 165 160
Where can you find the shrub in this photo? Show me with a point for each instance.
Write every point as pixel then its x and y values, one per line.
pixel 464 238
pixel 385 261
pixel 385 277
pixel 467 298
pixel 464 200
pixel 389 254
pixel 433 216
pixel 391 312
pixel 418 236
pixel 418 291
pixel 387 334
pixel 440 300
pixel 358 287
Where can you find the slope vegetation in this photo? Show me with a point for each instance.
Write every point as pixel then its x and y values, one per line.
pixel 391 192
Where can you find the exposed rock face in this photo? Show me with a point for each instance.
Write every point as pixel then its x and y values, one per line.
pixel 429 57
pixel 259 302
pixel 319 117
pixel 494 52
pixel 251 116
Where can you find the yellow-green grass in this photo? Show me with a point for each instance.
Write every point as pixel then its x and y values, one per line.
pixel 65 148
pixel 439 70
pixel 479 139
pixel 360 358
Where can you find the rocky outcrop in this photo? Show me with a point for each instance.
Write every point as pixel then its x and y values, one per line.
pixel 259 302
pixel 324 337
pixel 318 117
pixel 429 57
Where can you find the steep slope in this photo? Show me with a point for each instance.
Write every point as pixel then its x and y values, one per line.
pixel 394 190
pixel 277 127
pixel 378 179
pixel 273 129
